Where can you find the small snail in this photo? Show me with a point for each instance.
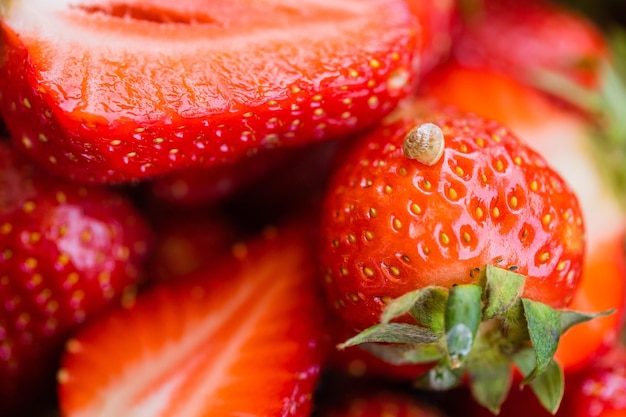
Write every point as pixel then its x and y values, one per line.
pixel 424 143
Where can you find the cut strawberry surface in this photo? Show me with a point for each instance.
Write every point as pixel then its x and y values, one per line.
pixel 242 338
pixel 113 92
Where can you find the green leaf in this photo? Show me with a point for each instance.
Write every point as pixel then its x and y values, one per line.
pixel 549 387
pixel 462 318
pixel 406 354
pixel 544 329
pixel 503 288
pixel 570 318
pixel 490 379
pixel 426 305
pixel 392 333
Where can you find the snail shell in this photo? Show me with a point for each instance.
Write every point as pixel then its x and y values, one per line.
pixel 424 143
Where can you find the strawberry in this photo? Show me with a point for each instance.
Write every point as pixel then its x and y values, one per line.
pixel 67 252
pixel 373 401
pixel 437 20
pixel 581 159
pixel 523 37
pixel 456 215
pixel 479 246
pixel 130 90
pixel 600 391
pixel 242 337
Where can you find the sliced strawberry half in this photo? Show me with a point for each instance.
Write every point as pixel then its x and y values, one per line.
pixel 242 338
pixel 115 91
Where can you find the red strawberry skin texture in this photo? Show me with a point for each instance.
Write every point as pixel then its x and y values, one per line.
pixel 241 337
pixel 392 225
pixel 520 37
pixel 67 253
pixel 101 114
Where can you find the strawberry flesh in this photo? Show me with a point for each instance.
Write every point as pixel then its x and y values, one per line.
pixel 239 338
pixel 128 90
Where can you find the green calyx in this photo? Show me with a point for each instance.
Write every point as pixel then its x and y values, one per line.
pixel 476 333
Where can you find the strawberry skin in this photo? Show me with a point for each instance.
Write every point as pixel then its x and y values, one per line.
pixel 130 91
pixel 392 225
pixel 239 338
pixel 521 37
pixel 66 254
pixel 437 21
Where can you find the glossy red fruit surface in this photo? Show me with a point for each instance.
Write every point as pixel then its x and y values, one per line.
pixel 392 225
pixel 108 92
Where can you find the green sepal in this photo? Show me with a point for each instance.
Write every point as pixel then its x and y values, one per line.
pixel 392 333
pixel 406 354
pixel 544 329
pixel 502 289
pixel 549 386
pixel 570 318
pixel 426 306
pixel 462 317
pixel 476 332
pixel 491 377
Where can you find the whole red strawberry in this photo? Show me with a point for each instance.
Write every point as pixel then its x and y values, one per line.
pixel 453 242
pixel 66 253
pixel 392 224
pixel 521 38
pixel 130 90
